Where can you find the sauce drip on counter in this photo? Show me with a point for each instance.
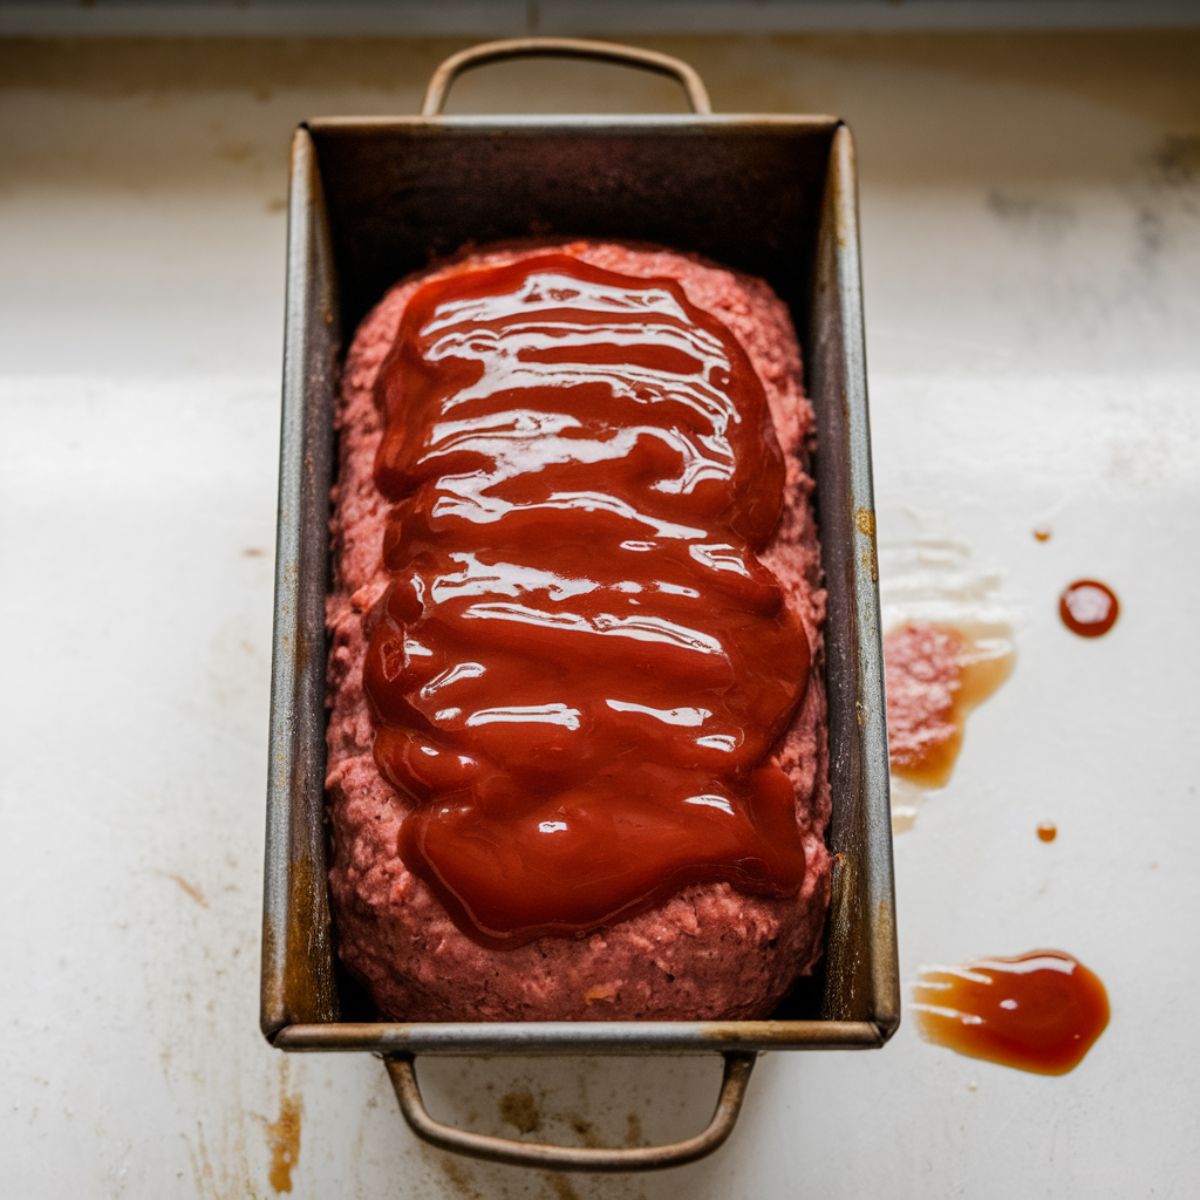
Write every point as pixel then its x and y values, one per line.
pixel 580 668
pixel 1040 1011
pixel 933 676
pixel 1089 608
pixel 1047 831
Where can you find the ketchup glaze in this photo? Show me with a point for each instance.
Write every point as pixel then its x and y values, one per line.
pixel 580 668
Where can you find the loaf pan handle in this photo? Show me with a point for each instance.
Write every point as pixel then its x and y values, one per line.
pixel 614 52
pixel 738 1066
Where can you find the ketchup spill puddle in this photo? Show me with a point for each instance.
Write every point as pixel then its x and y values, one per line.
pixel 1039 1012
pixel 934 676
pixel 1089 608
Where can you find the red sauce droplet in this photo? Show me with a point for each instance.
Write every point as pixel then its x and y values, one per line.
pixel 581 666
pixel 1042 534
pixel 1040 1011
pixel 1089 608
pixel 1047 831
pixel 933 676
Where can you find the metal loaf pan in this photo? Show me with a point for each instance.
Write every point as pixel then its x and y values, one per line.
pixel 371 200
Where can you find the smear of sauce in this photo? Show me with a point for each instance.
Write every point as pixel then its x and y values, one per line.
pixel 934 676
pixel 581 666
pixel 1039 1012
pixel 283 1137
pixel 1089 608
pixel 1042 534
pixel 1047 831
pixel 185 885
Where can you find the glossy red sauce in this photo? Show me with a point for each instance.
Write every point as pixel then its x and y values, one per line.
pixel 1040 1011
pixel 581 667
pixel 1089 608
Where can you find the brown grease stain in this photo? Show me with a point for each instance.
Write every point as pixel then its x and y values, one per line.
pixel 633 1130
pixel 253 552
pixel 283 1138
pixel 561 1186
pixel 1047 831
pixel 864 522
pixel 236 152
pixel 584 1129
pixel 520 1110
pixel 1176 160
pixel 450 1165
pixel 459 1179
pixel 187 886
pixel 1042 534
pixel 201 1164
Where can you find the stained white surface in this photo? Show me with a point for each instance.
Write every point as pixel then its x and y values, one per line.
pixel 1031 228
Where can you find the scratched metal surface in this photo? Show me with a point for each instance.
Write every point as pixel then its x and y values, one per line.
pixel 1031 230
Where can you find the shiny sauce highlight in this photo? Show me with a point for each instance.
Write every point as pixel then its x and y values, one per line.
pixel 1089 608
pixel 1040 1011
pixel 580 668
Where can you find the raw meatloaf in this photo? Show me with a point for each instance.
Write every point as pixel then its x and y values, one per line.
pixel 710 951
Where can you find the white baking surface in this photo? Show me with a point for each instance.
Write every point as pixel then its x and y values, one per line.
pixel 1031 231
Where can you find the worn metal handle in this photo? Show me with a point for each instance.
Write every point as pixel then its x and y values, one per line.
pixel 629 56
pixel 738 1066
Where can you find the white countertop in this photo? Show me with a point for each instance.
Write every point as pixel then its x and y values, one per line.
pixel 1031 233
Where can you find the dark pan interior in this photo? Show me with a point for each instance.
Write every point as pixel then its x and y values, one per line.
pixel 398 198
